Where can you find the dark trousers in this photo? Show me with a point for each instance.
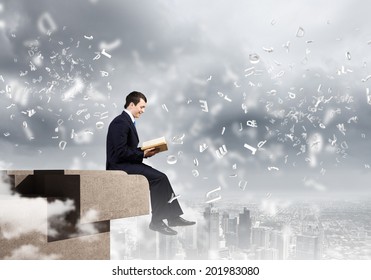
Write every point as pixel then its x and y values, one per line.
pixel 160 192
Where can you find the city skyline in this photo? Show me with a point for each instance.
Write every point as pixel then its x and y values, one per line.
pixel 266 102
pixel 325 230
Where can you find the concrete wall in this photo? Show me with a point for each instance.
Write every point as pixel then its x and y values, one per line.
pixel 65 214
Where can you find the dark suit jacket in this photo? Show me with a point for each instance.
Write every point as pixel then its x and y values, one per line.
pixel 122 145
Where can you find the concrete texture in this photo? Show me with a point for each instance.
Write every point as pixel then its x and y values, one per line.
pixel 65 214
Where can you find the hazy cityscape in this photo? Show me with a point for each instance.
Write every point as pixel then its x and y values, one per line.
pixel 317 230
pixel 274 99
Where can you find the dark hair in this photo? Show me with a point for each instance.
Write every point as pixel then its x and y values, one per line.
pixel 135 97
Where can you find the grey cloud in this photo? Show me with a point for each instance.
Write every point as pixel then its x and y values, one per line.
pixel 169 50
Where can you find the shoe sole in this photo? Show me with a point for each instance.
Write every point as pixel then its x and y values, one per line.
pixel 180 225
pixel 170 233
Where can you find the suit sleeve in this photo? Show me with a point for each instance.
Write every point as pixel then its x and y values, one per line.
pixel 121 150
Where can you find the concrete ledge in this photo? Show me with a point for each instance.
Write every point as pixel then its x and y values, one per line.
pixel 94 197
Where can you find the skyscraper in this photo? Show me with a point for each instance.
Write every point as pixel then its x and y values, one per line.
pixel 260 237
pixel 166 246
pixel 225 223
pixel 310 242
pixel 280 242
pixel 308 247
pixel 232 225
pixel 244 229
pixel 211 216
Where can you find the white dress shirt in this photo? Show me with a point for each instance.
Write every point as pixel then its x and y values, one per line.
pixel 130 114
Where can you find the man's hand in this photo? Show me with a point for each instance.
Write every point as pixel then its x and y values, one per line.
pixel 150 152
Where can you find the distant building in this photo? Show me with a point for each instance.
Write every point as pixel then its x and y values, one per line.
pixel 232 225
pixel 281 243
pixel 225 222
pixel 310 239
pixel 211 216
pixel 189 239
pixel 167 246
pixel 261 237
pixel 224 254
pixel 229 227
pixel 271 254
pixel 244 229
pixel 266 254
pixel 308 247
pixel 147 247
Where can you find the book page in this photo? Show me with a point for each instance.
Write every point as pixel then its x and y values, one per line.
pixel 159 143
pixel 154 142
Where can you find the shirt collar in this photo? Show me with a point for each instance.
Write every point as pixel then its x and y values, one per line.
pixel 130 115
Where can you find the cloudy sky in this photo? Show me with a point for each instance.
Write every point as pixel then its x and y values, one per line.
pixel 268 97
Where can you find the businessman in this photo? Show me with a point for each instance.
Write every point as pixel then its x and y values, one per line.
pixel 123 154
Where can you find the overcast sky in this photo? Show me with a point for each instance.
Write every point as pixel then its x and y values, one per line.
pixel 288 78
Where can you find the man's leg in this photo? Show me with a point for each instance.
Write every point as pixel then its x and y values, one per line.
pixel 160 191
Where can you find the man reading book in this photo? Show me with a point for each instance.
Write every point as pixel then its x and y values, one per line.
pixel 124 154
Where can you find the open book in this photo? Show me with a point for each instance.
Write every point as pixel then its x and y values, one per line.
pixel 158 143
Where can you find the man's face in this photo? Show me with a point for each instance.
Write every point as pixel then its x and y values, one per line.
pixel 137 110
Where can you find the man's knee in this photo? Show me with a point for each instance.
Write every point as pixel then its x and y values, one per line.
pixel 159 177
pixel 162 176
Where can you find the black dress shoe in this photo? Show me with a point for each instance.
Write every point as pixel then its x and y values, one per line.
pixel 161 227
pixel 179 222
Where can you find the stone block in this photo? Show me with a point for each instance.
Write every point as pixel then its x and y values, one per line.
pixel 65 214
